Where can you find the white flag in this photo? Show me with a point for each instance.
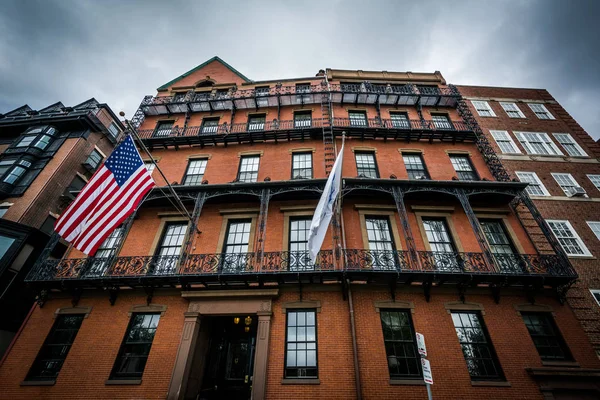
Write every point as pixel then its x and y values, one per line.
pixel 324 211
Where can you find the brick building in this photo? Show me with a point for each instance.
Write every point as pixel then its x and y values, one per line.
pixel 430 238
pixel 46 156
pixel 540 143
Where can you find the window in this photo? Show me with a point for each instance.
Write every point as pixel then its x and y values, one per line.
pixel 570 145
pixel 256 123
pixel 535 187
pixel 261 94
pixel 248 169
pixel 400 344
pixel 135 349
pixel 568 238
pixel 26 141
pixel 94 159
pixel 235 249
pixel 381 245
pixel 400 120
pixel 210 126
pixel 298 244
pixel 482 362
pixel 3 210
pixel 163 129
pixel 512 110
pixel 415 166
pixel 17 172
pixel 5 243
pixel 113 129
pixel 595 227
pixel 441 122
pixel 366 165
pixel 105 252
pixel 540 111
pixel 43 141
pixel 75 186
pixel 505 254
pixel 505 142
pixel 565 181
pixel 169 248
pixel 302 119
pixel 595 179
pixel 463 167
pixel 302 91
pixel 538 143
pixel 195 172
pixel 149 166
pixel 546 337
pixel 6 164
pixel 301 344
pixel 596 295
pixel 443 255
pixel 357 118
pixel 48 225
pixel 483 108
pixel 55 349
pixel 302 166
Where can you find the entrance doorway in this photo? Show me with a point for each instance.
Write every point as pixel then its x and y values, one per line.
pixel 229 357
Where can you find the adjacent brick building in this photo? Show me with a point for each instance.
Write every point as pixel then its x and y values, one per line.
pixel 46 156
pixel 540 143
pixel 430 237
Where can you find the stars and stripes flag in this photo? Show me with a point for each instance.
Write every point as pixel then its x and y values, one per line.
pixel 110 196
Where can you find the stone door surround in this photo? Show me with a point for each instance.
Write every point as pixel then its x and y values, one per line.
pixel 221 303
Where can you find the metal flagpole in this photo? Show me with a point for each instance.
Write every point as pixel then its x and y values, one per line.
pixel 180 204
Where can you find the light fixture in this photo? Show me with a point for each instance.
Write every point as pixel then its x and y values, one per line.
pixel 247 329
pixel 236 320
pixel 248 321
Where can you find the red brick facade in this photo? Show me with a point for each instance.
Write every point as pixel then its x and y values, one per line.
pixel 411 274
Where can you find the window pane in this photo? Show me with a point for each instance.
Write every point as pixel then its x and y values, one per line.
pixel 400 344
pixel 55 349
pixel 479 354
pixel 248 169
pixel 366 165
pixel 382 255
pixel 545 336
pixel 163 129
pixel 135 348
pixel 415 166
pixel 299 259
pixel 195 172
pixel 302 166
pixel 464 169
pixel 358 119
pixel 301 344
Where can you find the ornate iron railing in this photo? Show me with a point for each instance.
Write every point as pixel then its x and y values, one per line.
pixel 287 125
pixel 352 260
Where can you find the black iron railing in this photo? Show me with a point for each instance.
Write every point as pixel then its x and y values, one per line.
pixel 351 260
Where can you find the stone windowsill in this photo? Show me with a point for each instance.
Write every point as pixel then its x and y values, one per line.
pixel 572 364
pixel 123 382
pixel 300 381
pixel 491 383
pixel 38 383
pixel 419 382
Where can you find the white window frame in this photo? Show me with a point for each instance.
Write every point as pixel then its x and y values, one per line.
pixel 549 146
pixel 596 231
pixel 556 176
pixel 482 106
pixel 508 139
pixel 594 292
pixel 149 166
pixel 593 177
pixel 569 140
pixel 508 104
pixel 586 252
pixel 537 180
pixel 545 110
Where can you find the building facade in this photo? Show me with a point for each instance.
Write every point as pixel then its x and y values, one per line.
pixel 430 236
pixel 540 143
pixel 46 157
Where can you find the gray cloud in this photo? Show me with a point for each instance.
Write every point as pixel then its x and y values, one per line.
pixel 119 51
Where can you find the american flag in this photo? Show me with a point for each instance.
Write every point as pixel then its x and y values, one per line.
pixel 111 195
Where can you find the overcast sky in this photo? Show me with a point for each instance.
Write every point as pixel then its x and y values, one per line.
pixel 118 51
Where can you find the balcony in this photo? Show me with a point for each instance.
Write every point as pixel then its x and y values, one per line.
pixel 393 95
pixel 283 266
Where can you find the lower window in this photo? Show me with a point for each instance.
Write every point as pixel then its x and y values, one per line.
pixel 53 353
pixel 133 355
pixel 546 337
pixel 477 348
pixel 301 344
pixel 400 344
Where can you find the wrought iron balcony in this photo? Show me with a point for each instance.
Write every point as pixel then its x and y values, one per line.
pixel 282 265
pixel 370 93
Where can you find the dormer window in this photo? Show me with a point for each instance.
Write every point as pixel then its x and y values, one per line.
pixel 41 141
pixel 17 172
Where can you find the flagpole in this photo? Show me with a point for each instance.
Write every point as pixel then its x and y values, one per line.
pixel 143 146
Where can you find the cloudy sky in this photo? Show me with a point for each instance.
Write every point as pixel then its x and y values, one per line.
pixel 118 51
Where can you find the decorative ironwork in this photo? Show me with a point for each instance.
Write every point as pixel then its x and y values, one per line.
pixel 377 260
pixel 483 244
pixel 406 230
pixel 296 261
pixel 262 222
pixel 193 225
pixel 143 266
